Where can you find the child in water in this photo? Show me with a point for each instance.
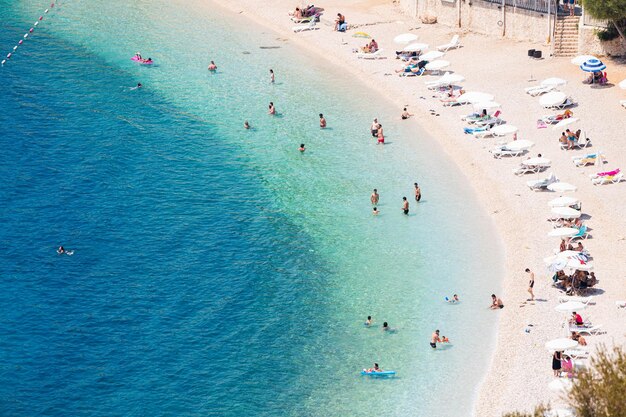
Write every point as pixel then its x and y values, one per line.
pixel 445 339
pixel 302 148
pixel 368 322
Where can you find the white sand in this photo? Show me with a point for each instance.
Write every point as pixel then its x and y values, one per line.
pixel 520 370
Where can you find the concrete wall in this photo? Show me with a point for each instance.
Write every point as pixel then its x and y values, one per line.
pixel 588 43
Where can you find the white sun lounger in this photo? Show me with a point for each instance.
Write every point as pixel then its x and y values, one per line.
pixel 568 102
pixel 577 353
pixel 530 169
pixel 597 158
pixel 538 90
pixel 309 26
pixel 370 55
pixel 502 151
pixel 614 179
pixel 302 19
pixel 588 330
pixel 539 185
pixel 454 43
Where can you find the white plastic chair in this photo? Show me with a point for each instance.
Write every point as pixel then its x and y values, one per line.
pixel 454 43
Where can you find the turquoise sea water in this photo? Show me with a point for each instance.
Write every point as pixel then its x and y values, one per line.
pixel 219 271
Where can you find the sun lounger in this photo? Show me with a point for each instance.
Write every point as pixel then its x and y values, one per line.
pixel 454 43
pixel 491 121
pixel 609 179
pixel 302 19
pixel 309 26
pixel 621 304
pixel 530 168
pixel 559 106
pixel 582 233
pixel 502 151
pixel 538 90
pixel 370 55
pixel 589 159
pixel 588 330
pixel 538 185
pixel 584 300
pixel 577 353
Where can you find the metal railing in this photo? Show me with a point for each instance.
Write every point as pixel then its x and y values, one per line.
pixel 590 21
pixel 540 6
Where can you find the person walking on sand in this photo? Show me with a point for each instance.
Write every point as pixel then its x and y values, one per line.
pixel 322 121
pixel 212 66
pixel 374 197
pixel 434 338
pixel 272 109
pixel 405 206
pixel 272 79
pixel 531 284
pixel 418 192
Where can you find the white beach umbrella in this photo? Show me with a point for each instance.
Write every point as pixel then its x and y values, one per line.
pixel 519 145
pixel 487 105
pixel 561 187
pixel 563 232
pixel 447 79
pixel 437 65
pixel 560 385
pixel 566 212
pixel 555 264
pixel 503 130
pixel 537 162
pixel 408 37
pixel 554 81
pixel 562 343
pixel 415 47
pixel 565 122
pixel 561 258
pixel 474 97
pixel 432 55
pixel 568 307
pixel 563 202
pixel 622 84
pixel 581 59
pixel 579 265
pixel 553 98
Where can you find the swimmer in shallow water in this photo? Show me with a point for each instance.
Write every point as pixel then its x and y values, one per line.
pixel 434 338
pixel 136 87
pixel 61 250
pixel 272 79
pixel 246 125
pixel 374 197
pixel 405 114
pixel 375 211
pixel 386 327
pixel 374 369
pixel 271 109
pixel 322 121
pixel 368 322
pixel 212 66
pixel 302 148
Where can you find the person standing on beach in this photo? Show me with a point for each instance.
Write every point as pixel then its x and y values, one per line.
pixel 272 76
pixel 556 363
pixel 322 121
pixel 374 197
pixel 418 192
pixel 434 338
pixel 531 284
pixel 405 206
pixel 272 109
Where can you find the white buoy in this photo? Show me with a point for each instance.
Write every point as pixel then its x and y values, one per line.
pixel 15 47
pixel 46 11
pixel 26 36
pixel 36 23
pixel 3 61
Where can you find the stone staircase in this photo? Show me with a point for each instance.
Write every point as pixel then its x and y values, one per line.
pixel 566 36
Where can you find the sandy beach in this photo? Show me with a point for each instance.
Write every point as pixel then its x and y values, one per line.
pixel 520 368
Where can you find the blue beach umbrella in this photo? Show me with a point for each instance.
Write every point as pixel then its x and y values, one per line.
pixel 592 65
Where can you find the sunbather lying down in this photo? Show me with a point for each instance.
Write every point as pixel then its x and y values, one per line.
pixel 413 67
pixel 565 115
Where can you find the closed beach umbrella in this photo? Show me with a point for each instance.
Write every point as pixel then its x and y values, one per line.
pixel 361 35
pixel 432 55
pixel 622 84
pixel 474 97
pixel 503 130
pixel 519 145
pixel 561 344
pixel 593 65
pixel 537 162
pixel 561 187
pixel 409 37
pixel 566 212
pixel 554 82
pixel 437 65
pixel 560 385
pixel 565 122
pixel 568 307
pixel 563 232
pixel 487 105
pixel 415 47
pixel 553 98
pixel 563 202
pixel 581 59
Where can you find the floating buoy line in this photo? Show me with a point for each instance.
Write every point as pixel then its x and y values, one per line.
pixel 26 35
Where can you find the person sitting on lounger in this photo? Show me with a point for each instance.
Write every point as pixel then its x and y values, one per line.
pixel 577 337
pixel 576 319
pixel 297 14
pixel 373 46
pixel 563 139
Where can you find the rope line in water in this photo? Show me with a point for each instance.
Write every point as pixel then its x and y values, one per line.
pixel 31 30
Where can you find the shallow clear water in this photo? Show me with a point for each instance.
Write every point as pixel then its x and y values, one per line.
pixel 219 271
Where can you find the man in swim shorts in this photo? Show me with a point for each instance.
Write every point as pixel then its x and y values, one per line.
pixel 434 339
pixel 405 206
pixel 418 192
pixel 374 128
pixel 322 121
pixel 374 197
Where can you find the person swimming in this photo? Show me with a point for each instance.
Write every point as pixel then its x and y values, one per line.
pixel 136 87
pixel 212 66
pixel 272 79
pixel 375 211
pixel 322 121
pixel 445 339
pixel 386 327
pixel 271 109
pixel 454 299
pixel 368 322
pixel 374 369
pixel 138 55
pixel 61 250
pixel 302 148
pixel 246 125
